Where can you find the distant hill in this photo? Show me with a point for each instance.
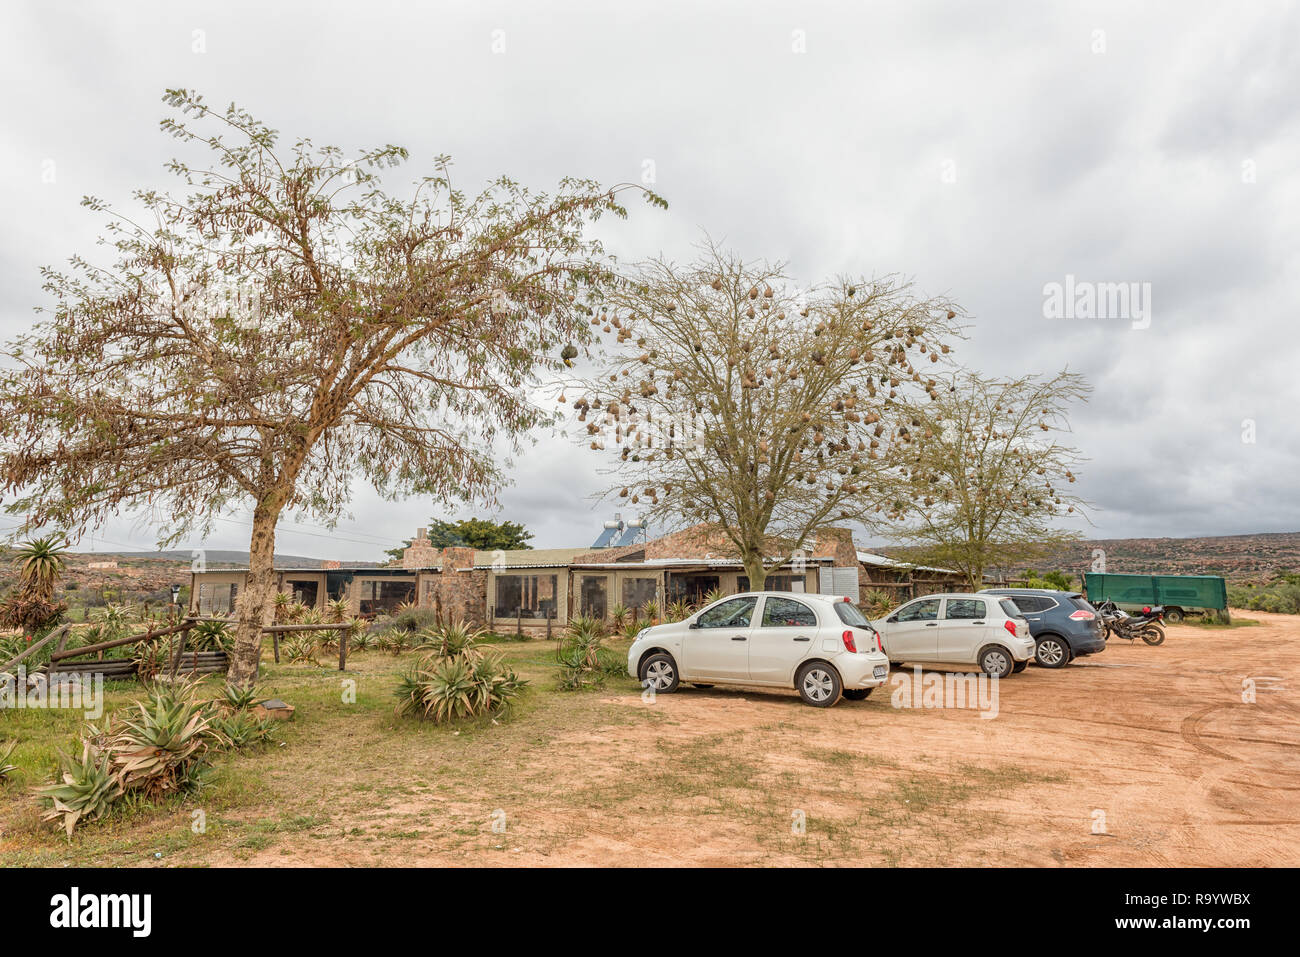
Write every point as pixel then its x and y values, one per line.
pixel 215 558
pixel 1238 558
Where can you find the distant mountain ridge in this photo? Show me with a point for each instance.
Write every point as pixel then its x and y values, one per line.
pixel 1238 558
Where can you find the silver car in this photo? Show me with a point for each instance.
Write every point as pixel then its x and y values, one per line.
pixel 959 628
pixel 820 645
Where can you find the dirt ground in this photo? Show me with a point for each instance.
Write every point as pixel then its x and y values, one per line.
pixel 1137 756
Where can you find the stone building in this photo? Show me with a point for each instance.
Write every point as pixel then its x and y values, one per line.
pixel 538 590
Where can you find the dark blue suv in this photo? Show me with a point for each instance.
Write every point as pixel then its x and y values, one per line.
pixel 1063 624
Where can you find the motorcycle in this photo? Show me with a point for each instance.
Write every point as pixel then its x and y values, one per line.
pixel 1149 625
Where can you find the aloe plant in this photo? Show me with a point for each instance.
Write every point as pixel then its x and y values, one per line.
pixel 454 640
pixel 455 688
pixel 89 788
pixel 710 596
pixel 619 618
pixel 237 697
pixel 300 647
pixel 679 610
pixel 153 749
pixel 6 752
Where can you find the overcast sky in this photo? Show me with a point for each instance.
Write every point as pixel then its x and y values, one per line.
pixel 986 150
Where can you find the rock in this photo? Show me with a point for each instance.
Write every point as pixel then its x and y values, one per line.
pixel 275 709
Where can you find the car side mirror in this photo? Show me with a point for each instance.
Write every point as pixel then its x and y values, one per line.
pixel 694 624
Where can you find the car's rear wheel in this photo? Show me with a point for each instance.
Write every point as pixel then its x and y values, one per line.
pixel 857 694
pixel 996 662
pixel 819 684
pixel 659 672
pixel 1019 666
pixel 1052 652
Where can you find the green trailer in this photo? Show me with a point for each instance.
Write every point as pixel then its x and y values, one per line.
pixel 1181 595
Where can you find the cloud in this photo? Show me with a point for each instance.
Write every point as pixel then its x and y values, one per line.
pixel 985 151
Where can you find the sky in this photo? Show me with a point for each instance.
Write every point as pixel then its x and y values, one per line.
pixel 988 151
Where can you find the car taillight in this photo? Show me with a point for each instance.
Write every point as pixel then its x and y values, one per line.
pixel 849 643
pixel 880 645
pixel 1010 626
pixel 1082 615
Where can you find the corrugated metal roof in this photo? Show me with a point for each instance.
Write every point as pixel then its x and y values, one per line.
pixel 528 557
pixel 871 558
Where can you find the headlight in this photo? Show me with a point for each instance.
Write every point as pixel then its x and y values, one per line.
pixel 641 634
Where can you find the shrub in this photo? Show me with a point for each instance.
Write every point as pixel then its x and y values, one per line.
pixel 710 596
pixel 156 750
pixel 5 767
pixel 236 697
pixel 619 618
pixel 679 610
pixel 452 640
pixel 455 688
pixel 411 618
pixel 210 636
pixel 584 660
pixel 89 788
pixel 300 647
pixel 877 603
pixel 650 610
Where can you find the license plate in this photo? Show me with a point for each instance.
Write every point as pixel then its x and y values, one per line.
pixel 880 671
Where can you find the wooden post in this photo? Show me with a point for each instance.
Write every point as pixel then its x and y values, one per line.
pixel 519 622
pixel 549 616
pixel 343 649
pixel 177 660
pixel 275 645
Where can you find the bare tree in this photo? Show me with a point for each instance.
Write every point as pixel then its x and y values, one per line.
pixel 287 327
pixel 737 399
pixel 989 474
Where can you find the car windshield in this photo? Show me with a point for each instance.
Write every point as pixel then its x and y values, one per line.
pixel 850 614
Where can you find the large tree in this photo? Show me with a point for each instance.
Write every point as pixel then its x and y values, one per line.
pixel 732 397
pixel 287 326
pixel 481 533
pixel 989 475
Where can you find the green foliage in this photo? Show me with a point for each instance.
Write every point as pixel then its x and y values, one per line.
pixel 878 603
pixel 6 768
pixel 457 639
pixel 619 618
pixel 411 618
pixel 584 660
pixel 710 596
pixel 480 533
pixel 210 636
pixel 300 647
pixel 1057 580
pixel 679 610
pixel 237 697
pixel 88 789
pixel 1280 596
pixel 155 748
pixel 457 680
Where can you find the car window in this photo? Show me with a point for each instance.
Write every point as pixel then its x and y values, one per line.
pixel 964 608
pixel 1028 603
pixel 1009 609
pixel 927 610
pixel 787 613
pixel 735 613
pixel 851 614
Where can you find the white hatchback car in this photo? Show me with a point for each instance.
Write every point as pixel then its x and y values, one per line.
pixel 820 645
pixel 961 628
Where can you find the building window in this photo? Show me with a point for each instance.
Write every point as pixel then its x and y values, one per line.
pixel 383 597
pixel 791 583
pixel 639 592
pixel 304 592
pixel 216 601
pixel 690 588
pixel 526 596
pixel 593 596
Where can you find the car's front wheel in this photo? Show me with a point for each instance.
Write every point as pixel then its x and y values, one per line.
pixel 819 684
pixel 996 662
pixel 659 672
pixel 1052 652
pixel 857 694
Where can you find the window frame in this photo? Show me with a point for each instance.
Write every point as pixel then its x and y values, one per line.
pixel 767 599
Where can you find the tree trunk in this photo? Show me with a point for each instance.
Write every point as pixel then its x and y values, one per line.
pixel 255 604
pixel 755 571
